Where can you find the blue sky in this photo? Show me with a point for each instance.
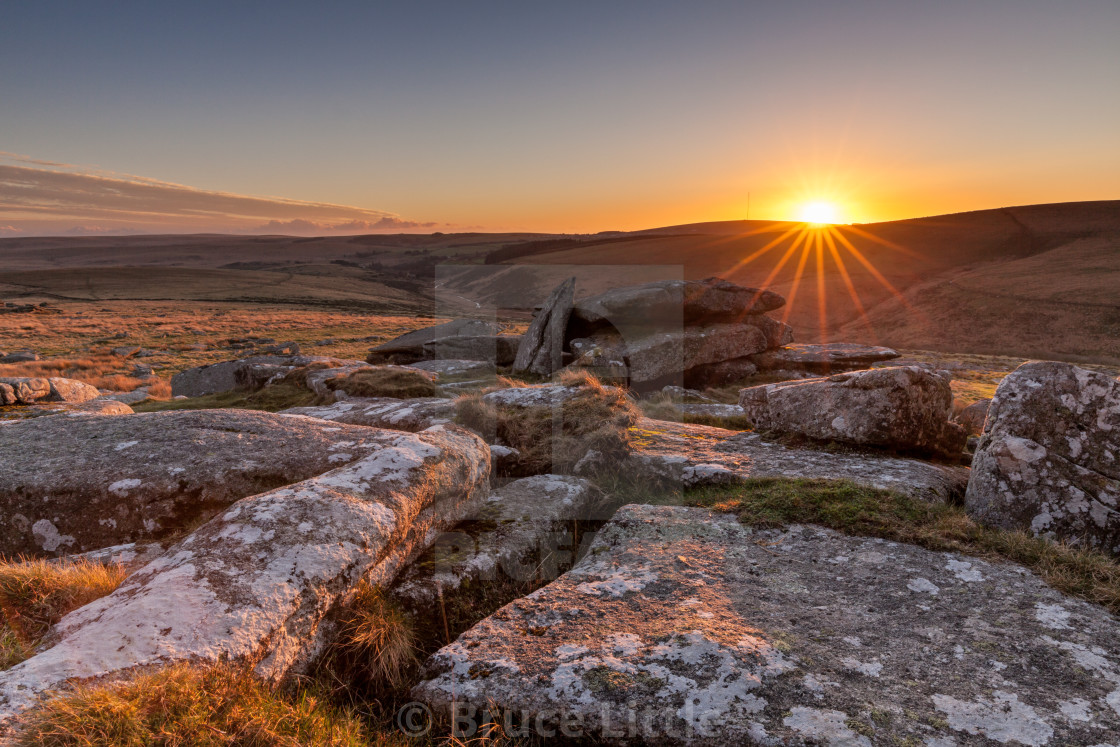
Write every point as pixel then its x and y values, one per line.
pixel 575 116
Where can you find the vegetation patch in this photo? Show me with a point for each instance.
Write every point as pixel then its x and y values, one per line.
pixel 871 512
pixel 35 594
pixel 661 406
pixel 188 705
pixel 385 382
pixel 272 398
pixel 376 645
pixel 598 419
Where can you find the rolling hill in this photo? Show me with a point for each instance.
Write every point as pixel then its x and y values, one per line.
pixel 1039 280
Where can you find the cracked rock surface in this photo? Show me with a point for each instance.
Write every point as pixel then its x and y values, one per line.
pixel 70 484
pixel 682 626
pixel 1048 461
pixel 701 455
pixel 384 412
pixel 524 529
pixel 256 584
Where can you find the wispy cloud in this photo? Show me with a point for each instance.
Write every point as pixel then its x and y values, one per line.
pixel 384 223
pixel 38 197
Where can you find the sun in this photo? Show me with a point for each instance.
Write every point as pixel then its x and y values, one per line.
pixel 818 213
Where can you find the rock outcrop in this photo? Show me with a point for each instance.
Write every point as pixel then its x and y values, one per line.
pixel 825 358
pixel 904 408
pixel 384 412
pixel 693 455
pixel 24 390
pixel 69 484
pixel 669 303
pixel 681 626
pixel 29 390
pixel 522 532
pixel 1049 459
pixel 972 418
pixel 409 347
pixel 541 350
pixel 699 333
pixel 256 584
pixel 20 356
pixel 245 373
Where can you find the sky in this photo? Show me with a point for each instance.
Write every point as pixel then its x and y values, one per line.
pixel 357 117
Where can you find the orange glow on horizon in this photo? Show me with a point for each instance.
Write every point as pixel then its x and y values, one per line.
pixel 814 245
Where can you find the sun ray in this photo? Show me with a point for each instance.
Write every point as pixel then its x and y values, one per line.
pixel 778 267
pixel 889 244
pixel 870 267
pixel 770 228
pixel 758 253
pixel 847 278
pixel 822 293
pixel 796 280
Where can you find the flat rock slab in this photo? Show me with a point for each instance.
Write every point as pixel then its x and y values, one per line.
pixel 412 343
pixel 1048 461
pixel 521 532
pixel 548 396
pixel 498 350
pixel 256 584
pixel 70 484
pixel 681 626
pixel 89 407
pixel 823 358
pixel 384 412
pixel 455 367
pixel 135 397
pixel 711 410
pixel 698 455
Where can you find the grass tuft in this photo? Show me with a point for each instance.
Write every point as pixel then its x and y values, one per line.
pixel 598 418
pixel 385 382
pixel 376 644
pixel 35 594
pixel 185 705
pixel 870 512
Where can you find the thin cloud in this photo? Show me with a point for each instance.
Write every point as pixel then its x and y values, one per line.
pixel 38 196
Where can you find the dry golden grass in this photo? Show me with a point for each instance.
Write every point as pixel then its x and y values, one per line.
pixel 598 419
pixel 385 382
pixel 187 705
pixel 376 645
pixel 35 594
pixel 192 333
pixel 870 512
pixel 160 390
pixel 99 370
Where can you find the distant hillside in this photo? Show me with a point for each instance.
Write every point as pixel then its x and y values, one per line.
pixel 1039 280
pixel 1035 280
